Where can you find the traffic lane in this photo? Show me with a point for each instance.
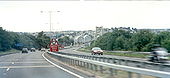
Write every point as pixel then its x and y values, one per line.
pixel 10 57
pixel 6 61
pixel 38 72
pixel 29 65
pixel 20 58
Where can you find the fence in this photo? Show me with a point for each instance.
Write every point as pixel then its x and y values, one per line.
pixel 93 63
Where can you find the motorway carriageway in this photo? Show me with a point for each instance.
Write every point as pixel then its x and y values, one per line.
pixel 32 65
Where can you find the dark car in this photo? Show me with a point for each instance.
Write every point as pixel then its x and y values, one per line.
pixel 97 50
pixel 24 50
pixel 32 49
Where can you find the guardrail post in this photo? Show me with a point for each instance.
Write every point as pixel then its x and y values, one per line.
pixel 91 66
pixel 108 60
pixel 129 74
pixel 100 59
pixel 101 69
pixel 69 61
pixel 95 67
pixel 84 64
pixel 87 65
pixel 65 60
pixel 78 62
pixel 120 61
pixel 73 62
pixel 115 71
pixel 104 59
pixel 96 58
pixel 138 75
pixel 111 71
pixel 161 67
pixel 126 62
pixel 113 61
pixel 143 64
pixel 81 63
pixel 93 58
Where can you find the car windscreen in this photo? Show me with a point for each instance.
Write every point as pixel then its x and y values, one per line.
pixel 96 48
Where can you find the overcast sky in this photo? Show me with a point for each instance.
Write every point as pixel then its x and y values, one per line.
pixel 26 16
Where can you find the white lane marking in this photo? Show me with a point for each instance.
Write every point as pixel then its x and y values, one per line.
pixel 40 66
pixel 7 69
pixel 12 62
pixel 25 62
pixel 62 67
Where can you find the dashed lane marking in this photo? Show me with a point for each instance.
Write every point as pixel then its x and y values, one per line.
pixel 7 69
pixel 42 66
pixel 12 62
pixel 23 62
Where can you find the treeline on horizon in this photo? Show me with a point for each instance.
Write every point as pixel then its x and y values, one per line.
pixel 13 40
pixel 141 40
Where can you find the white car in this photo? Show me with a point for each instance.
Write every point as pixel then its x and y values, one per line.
pixel 159 55
pixel 24 50
pixel 43 49
pixel 97 50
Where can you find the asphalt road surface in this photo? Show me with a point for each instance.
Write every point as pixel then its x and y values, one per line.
pixel 29 65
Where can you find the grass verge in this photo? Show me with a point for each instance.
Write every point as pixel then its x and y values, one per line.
pixel 84 50
pixel 9 52
pixel 136 55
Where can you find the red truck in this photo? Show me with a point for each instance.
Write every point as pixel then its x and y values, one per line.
pixel 54 45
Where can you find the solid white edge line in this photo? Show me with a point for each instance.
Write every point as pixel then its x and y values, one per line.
pixel 62 67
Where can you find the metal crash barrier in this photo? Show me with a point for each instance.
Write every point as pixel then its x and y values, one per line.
pixel 94 65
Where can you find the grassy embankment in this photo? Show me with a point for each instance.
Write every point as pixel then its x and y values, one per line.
pixel 9 51
pixel 132 54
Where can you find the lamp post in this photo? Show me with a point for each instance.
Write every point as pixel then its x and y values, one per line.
pixel 50 17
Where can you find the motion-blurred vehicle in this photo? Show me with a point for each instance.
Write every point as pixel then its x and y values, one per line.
pixel 97 50
pixel 32 49
pixel 24 50
pixel 43 49
pixel 158 55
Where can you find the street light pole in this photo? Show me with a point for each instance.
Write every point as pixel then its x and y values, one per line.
pixel 50 20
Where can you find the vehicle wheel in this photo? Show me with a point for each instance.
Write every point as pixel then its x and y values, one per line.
pixel 151 59
pixel 101 53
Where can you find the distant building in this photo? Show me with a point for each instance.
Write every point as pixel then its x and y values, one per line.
pixel 157 30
